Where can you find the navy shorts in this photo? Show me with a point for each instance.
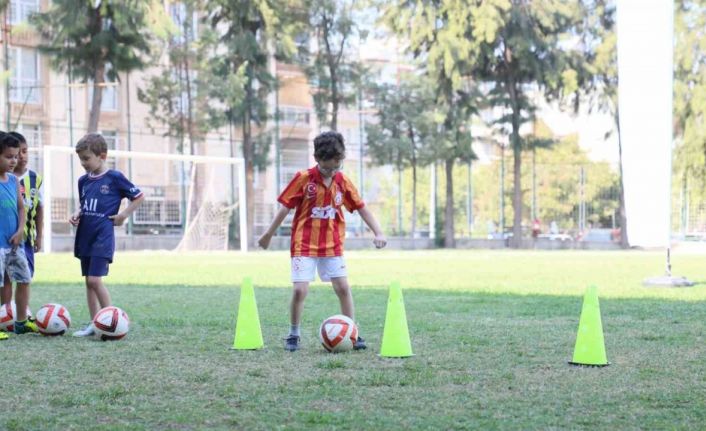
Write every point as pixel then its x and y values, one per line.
pixel 29 253
pixel 92 266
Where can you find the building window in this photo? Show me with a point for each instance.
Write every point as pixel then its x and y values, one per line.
pixel 111 138
pixel 33 136
pixel 109 101
pixel 20 10
pixel 290 115
pixel 24 82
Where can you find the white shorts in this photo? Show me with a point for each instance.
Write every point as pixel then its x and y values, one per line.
pixel 303 268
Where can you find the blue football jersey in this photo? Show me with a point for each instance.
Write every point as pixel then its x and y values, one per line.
pixel 100 197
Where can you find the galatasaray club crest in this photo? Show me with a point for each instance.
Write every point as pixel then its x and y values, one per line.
pixel 338 199
pixel 311 190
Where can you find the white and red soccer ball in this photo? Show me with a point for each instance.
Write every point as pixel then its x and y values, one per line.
pixel 8 312
pixel 111 323
pixel 53 319
pixel 338 333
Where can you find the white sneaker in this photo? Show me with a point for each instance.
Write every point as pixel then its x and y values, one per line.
pixel 88 331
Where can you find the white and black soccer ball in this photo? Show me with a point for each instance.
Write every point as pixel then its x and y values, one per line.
pixel 8 312
pixel 111 323
pixel 338 333
pixel 53 319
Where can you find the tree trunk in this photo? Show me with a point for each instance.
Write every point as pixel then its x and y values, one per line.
pixel 516 240
pixel 414 197
pixel 621 211
pixel 449 240
pixel 97 99
pixel 332 65
pixel 248 159
pixel 414 182
pixel 334 100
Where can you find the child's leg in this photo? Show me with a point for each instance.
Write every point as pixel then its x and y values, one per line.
pixel 18 270
pixel 301 288
pixel 6 294
pixel 97 294
pixel 22 301
pixel 343 291
pixel 91 299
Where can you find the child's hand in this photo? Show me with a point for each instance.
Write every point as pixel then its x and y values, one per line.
pixel 16 239
pixel 38 243
pixel 118 219
pixel 380 241
pixel 264 240
pixel 75 218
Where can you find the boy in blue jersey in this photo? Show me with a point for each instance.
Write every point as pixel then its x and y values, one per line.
pixel 100 192
pixel 12 223
pixel 30 187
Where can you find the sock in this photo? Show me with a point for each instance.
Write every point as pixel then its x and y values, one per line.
pixel 21 323
pixel 294 330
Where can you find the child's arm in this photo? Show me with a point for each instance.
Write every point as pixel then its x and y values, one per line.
pixel 39 220
pixel 119 218
pixel 264 240
pixel 17 238
pixel 380 241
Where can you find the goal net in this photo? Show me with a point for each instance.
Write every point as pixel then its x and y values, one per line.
pixel 192 203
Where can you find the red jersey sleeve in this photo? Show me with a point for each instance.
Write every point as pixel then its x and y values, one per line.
pixel 351 198
pixel 292 195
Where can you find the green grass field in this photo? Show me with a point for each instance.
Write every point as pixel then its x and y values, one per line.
pixel 492 332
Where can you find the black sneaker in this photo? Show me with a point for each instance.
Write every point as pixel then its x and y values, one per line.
pixel 291 343
pixel 359 344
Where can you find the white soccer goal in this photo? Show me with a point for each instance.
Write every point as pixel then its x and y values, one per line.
pixel 190 201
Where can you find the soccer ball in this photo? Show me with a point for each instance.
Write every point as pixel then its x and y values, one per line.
pixel 111 323
pixel 7 316
pixel 338 333
pixel 53 319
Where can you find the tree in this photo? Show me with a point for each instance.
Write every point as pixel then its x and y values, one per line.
pixel 599 78
pixel 331 69
pixel 690 93
pixel 95 40
pixel 182 98
pixel 435 31
pixel 401 132
pixel 520 51
pixel 249 33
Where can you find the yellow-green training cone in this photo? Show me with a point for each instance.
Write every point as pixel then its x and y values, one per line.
pixel 590 348
pixel 248 335
pixel 395 336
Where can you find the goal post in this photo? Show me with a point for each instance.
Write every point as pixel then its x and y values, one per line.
pixel 191 196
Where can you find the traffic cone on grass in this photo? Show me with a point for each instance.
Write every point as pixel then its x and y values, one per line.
pixel 395 335
pixel 590 347
pixel 248 334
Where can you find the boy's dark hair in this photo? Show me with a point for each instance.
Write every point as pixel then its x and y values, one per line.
pixel 18 136
pixel 94 142
pixel 328 146
pixel 8 141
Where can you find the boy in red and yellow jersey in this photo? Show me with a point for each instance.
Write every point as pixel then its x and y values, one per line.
pixel 319 195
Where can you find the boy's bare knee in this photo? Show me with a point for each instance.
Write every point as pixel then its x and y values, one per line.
pixel 340 286
pixel 300 290
pixel 93 283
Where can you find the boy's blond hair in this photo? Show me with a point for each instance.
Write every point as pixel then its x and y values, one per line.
pixel 94 142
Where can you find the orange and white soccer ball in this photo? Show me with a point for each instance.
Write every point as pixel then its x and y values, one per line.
pixel 7 316
pixel 338 333
pixel 53 319
pixel 111 323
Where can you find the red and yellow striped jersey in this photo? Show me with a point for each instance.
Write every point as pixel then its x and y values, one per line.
pixel 319 227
